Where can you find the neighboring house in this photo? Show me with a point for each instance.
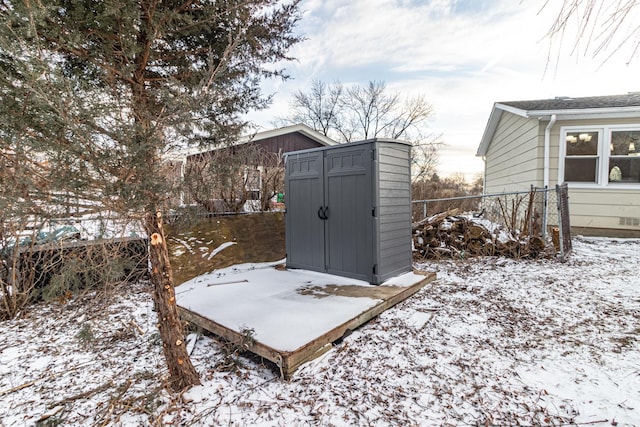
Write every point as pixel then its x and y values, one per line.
pixel 282 140
pixel 591 143
pixel 254 155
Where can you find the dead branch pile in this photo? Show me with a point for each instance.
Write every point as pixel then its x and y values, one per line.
pixel 448 235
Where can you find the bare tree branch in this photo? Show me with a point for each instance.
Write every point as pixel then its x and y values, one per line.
pixel 605 27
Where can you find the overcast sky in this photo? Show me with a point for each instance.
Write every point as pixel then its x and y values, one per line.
pixel 463 55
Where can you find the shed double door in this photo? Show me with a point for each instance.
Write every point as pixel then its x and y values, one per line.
pixel 329 211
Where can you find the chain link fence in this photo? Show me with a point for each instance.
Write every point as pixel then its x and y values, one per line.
pixel 542 212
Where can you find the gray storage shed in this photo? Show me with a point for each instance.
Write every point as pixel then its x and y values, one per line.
pixel 349 209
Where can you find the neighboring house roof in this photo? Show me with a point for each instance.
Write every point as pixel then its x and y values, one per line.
pixel 612 106
pixel 300 128
pixel 303 129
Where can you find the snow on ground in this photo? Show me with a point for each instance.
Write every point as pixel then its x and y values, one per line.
pixel 218 249
pixel 492 341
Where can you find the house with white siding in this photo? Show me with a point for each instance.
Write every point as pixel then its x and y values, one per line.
pixel 591 143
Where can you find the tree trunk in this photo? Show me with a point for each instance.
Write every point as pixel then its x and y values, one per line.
pixel 182 374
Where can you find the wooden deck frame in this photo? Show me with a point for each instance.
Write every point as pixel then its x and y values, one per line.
pixel 289 361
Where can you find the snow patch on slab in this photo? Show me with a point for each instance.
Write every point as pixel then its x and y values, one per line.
pixel 285 309
pixel 405 280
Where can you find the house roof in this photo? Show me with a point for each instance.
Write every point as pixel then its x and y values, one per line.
pixel 590 107
pixel 303 129
pixel 566 103
pixel 300 128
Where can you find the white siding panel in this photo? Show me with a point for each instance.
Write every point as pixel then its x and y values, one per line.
pixel 604 208
pixel 513 158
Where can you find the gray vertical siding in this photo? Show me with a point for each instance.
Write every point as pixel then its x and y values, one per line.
pixel 393 219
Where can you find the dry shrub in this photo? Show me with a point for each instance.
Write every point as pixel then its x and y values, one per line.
pixel 223 180
pixel 32 269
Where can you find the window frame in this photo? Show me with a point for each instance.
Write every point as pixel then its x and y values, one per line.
pixel 603 156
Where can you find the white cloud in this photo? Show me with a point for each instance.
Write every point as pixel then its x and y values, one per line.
pixel 463 55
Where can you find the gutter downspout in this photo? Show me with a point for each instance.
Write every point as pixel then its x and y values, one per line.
pixel 484 177
pixel 547 148
pixel 547 144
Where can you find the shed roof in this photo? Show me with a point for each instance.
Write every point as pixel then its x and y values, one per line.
pixel 589 107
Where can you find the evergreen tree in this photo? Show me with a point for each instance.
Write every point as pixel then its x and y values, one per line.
pixel 93 93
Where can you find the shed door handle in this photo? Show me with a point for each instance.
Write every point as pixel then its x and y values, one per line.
pixel 322 213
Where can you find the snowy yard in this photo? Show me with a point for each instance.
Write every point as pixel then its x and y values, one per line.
pixel 492 341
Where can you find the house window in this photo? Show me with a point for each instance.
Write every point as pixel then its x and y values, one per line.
pixel 602 156
pixel 581 158
pixel 624 156
pixel 252 179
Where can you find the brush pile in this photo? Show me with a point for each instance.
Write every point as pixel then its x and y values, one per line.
pixel 450 235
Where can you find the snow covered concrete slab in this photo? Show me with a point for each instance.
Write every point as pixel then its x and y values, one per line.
pixel 294 315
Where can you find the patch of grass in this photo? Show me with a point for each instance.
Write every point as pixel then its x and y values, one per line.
pixel 155 339
pixel 50 422
pixel 86 335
